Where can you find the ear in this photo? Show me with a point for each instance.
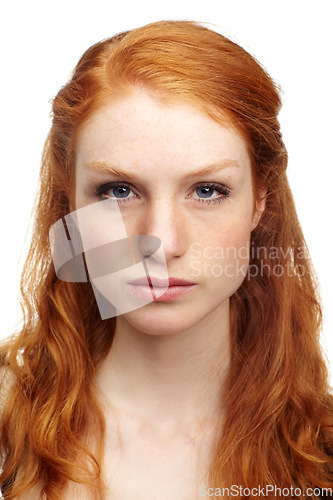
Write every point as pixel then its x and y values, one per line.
pixel 260 205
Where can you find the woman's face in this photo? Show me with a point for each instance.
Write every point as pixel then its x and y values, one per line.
pixel 178 175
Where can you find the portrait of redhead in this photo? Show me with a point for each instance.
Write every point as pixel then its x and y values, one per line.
pixel 170 343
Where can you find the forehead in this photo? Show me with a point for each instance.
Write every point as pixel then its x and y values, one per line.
pixel 140 131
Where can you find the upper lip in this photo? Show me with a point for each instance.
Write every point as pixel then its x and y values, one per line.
pixel 159 282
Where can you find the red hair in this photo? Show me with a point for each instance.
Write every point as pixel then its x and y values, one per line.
pixel 278 421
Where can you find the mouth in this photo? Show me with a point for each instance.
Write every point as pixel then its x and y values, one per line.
pixel 160 290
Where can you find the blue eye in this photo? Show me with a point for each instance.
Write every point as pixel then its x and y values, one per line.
pixel 206 191
pixel 121 191
pixel 115 191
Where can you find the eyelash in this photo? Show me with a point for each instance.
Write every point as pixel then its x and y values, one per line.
pixel 220 188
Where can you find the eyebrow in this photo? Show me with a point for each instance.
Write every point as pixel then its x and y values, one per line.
pixel 106 168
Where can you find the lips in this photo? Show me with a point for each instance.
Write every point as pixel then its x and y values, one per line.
pixel 160 282
pixel 160 290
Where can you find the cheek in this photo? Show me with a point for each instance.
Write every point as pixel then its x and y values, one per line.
pixel 222 254
pixel 99 224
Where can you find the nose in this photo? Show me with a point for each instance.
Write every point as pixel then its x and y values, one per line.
pixel 165 221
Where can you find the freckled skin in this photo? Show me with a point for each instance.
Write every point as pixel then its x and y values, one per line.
pixel 161 143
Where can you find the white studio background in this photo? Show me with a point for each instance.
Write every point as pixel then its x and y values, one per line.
pixel 42 41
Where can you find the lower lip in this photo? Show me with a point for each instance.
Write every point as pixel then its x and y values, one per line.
pixel 170 293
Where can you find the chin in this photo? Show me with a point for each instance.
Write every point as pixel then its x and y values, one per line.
pixel 158 322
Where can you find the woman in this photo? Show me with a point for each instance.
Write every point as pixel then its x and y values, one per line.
pixel 194 364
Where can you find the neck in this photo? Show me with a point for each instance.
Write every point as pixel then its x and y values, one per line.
pixel 171 378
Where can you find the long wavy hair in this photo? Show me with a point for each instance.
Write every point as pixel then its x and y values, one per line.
pixel 277 428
